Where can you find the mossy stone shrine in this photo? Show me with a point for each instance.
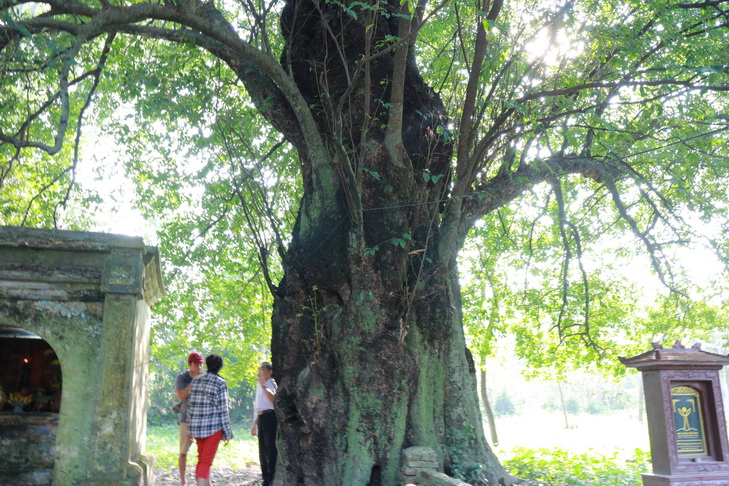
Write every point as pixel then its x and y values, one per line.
pixel 74 354
pixel 685 413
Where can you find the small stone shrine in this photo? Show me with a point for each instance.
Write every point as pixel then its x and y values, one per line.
pixel 74 354
pixel 686 420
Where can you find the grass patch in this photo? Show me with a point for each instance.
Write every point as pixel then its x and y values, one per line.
pixel 163 444
pixel 559 467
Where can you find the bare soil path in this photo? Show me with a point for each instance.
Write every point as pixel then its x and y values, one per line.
pixel 250 476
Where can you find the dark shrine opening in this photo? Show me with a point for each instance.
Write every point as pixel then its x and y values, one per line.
pixel 30 400
pixel 30 373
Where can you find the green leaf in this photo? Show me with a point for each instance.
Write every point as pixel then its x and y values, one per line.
pixel 372 173
pixel 371 251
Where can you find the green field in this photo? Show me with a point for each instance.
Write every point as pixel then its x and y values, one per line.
pixel 605 450
pixel 241 452
pixel 609 450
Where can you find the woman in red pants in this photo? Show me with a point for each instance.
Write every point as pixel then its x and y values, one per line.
pixel 208 420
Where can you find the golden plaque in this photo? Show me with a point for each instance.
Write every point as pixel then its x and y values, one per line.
pixel 689 422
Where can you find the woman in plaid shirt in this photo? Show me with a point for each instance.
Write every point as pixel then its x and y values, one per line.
pixel 207 416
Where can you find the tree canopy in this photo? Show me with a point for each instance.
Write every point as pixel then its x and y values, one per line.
pixel 326 157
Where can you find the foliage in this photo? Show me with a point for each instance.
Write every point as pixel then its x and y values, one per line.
pixel 461 469
pixel 557 467
pixel 592 394
pixel 512 298
pixel 212 200
pixel 503 404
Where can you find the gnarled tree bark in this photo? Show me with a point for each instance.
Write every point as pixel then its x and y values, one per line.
pixel 368 338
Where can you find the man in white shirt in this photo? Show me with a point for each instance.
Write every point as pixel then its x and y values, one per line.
pixel 264 422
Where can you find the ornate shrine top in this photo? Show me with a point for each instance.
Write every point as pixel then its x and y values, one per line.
pixel 678 356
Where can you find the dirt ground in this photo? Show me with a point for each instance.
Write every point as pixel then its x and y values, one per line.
pixel 218 477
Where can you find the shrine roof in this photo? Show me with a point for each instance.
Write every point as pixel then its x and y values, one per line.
pixel 675 356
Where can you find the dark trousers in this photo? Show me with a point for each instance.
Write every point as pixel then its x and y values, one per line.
pixel 267 451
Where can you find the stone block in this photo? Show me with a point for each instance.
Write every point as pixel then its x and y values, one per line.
pixel 419 454
pixel 423 464
pixel 440 479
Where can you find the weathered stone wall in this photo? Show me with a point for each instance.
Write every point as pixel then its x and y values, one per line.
pixel 88 296
pixel 64 325
pixel 28 445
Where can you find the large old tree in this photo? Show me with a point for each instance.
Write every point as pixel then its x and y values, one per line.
pixel 412 123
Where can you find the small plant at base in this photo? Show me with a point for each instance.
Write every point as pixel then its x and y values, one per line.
pixel 471 473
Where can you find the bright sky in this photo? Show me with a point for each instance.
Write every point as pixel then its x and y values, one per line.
pixel 100 170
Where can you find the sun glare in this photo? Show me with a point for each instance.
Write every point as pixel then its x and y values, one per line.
pixel 116 212
pixel 553 48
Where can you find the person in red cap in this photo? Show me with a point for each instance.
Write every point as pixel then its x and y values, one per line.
pixel 184 380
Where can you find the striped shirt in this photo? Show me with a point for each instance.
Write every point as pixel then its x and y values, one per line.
pixel 207 407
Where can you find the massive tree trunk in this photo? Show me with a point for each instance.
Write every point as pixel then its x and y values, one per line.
pixel 354 390
pixel 368 342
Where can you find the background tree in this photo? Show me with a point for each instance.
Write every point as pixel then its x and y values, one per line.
pixel 409 125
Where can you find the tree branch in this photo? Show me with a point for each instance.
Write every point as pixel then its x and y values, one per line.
pixel 218 34
pixel 466 160
pixel 652 247
pixel 508 185
pixel 393 132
